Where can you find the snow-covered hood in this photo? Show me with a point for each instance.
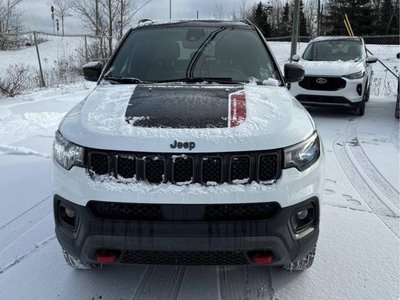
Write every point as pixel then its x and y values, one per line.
pixel 331 68
pixel 195 118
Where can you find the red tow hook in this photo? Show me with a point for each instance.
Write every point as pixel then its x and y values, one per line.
pixel 262 257
pixel 106 256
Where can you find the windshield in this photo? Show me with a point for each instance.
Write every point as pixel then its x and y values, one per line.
pixel 331 50
pixel 157 54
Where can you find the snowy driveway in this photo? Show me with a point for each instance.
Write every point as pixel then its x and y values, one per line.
pixel 357 254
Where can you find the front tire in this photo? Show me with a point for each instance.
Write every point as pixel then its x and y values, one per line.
pixel 301 264
pixel 76 263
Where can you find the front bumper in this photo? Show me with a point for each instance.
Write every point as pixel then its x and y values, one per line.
pixel 191 242
pixel 351 94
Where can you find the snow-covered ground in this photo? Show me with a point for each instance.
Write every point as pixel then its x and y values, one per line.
pixel 357 253
pixel 53 50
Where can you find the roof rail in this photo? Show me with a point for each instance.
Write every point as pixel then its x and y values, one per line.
pixel 143 20
pixel 248 22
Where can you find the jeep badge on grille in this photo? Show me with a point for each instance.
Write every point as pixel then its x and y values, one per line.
pixel 180 145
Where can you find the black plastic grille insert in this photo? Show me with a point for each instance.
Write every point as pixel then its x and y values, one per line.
pixel 183 212
pixel 203 168
pixel 326 83
pixel 184 258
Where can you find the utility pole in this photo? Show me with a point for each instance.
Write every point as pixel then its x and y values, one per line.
pixel 321 28
pixel 52 18
pixel 197 15
pixel 295 28
pixel 58 26
pixel 319 18
pixel 97 17
pixel 62 24
pixel 170 8
pixel 122 18
pixel 111 28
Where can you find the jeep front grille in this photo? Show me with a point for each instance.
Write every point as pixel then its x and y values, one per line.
pixel 181 169
pixel 326 83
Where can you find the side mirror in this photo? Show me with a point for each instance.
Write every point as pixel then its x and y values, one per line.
pixel 293 72
pixel 92 70
pixel 371 59
pixel 398 55
pixel 296 57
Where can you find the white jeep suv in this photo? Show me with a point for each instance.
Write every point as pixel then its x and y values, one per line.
pixel 190 150
pixel 337 72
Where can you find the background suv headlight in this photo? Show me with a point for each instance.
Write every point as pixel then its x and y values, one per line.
pixel 304 154
pixel 66 153
pixel 356 75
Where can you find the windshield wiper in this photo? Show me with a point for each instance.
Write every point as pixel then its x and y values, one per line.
pixel 124 80
pixel 224 80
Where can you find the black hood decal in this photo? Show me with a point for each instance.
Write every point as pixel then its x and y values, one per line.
pixel 179 107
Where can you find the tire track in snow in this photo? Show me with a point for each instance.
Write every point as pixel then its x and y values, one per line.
pixel 33 210
pixel 25 234
pixel 160 282
pixel 388 191
pixel 247 282
pixel 25 255
pixel 360 180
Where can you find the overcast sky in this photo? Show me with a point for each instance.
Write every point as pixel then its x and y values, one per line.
pixel 36 14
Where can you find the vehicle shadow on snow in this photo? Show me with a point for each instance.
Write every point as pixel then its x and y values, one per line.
pixel 330 112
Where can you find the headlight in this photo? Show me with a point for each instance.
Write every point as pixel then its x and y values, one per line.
pixel 304 154
pixel 356 75
pixel 66 153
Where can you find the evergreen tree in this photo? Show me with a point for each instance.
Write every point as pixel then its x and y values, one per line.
pixel 388 19
pixel 285 25
pixel 359 13
pixel 259 17
pixel 302 21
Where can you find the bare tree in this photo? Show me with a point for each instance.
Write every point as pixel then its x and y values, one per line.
pixel 243 10
pixel 16 79
pixel 63 10
pixel 9 15
pixel 311 13
pixel 105 17
pixel 9 23
pixel 219 10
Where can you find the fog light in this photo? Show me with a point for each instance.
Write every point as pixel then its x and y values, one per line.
pixel 303 219
pixel 67 215
pixel 301 215
pixel 69 212
pixel 359 89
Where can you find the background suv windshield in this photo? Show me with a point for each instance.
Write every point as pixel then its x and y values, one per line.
pixel 173 53
pixel 333 50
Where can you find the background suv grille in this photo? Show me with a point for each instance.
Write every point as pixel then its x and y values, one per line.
pixel 203 168
pixel 331 84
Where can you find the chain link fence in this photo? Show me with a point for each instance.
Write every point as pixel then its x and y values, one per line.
pixel 385 48
pixel 36 59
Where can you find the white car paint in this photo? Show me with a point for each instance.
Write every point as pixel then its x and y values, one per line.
pixel 337 69
pixel 274 120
